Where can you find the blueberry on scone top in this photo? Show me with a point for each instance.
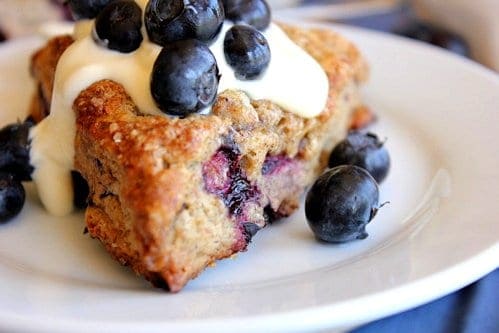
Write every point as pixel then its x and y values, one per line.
pixel 118 25
pixel 171 20
pixel 184 78
pixel 246 51
pixel 86 9
pixel 252 12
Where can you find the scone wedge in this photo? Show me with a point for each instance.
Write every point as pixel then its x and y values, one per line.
pixel 170 196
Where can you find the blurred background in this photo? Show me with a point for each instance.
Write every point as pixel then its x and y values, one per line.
pixel 468 28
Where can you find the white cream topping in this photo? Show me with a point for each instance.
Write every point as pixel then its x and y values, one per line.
pixel 293 80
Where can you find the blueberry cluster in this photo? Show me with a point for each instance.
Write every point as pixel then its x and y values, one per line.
pixel 14 168
pixel 185 76
pixel 345 198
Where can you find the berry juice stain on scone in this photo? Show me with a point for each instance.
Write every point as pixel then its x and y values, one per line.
pixel 224 177
pixel 277 164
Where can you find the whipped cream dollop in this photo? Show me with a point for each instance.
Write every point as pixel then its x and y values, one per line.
pixel 293 80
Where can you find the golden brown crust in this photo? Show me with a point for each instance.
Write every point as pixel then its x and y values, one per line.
pixel 150 204
pixel 139 171
pixel 43 64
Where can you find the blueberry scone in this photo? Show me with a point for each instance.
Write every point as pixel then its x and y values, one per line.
pixel 193 132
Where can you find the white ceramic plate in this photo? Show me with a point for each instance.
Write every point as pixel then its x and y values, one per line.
pixel 439 232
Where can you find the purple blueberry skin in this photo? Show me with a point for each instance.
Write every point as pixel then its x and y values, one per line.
pixel 171 20
pixel 341 203
pixel 12 197
pixel 252 12
pixel 118 25
pixel 14 151
pixel 365 151
pixel 246 51
pixel 184 78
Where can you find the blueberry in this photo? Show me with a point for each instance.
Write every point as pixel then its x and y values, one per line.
pixel 249 230
pixel 184 77
pixel 14 150
pixel 80 189
pixel 117 26
pixel 362 150
pixel 246 51
pixel 86 9
pixel 12 197
pixel 253 12
pixel 340 204
pixel 171 20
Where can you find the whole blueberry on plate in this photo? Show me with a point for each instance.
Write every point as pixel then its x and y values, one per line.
pixel 171 20
pixel 118 25
pixel 341 203
pixel 246 51
pixel 252 12
pixel 12 197
pixel 14 150
pixel 184 78
pixel 86 9
pixel 365 151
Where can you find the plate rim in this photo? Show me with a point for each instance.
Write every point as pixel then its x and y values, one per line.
pixel 320 315
pixel 481 261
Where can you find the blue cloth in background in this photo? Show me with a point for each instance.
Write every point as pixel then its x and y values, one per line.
pixel 473 309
